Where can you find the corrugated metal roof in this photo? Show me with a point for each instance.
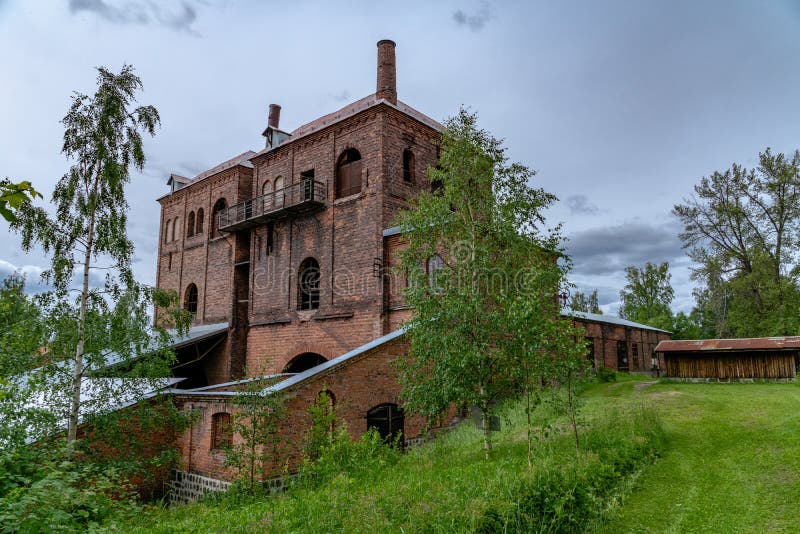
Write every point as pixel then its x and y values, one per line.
pixel 611 319
pixel 742 344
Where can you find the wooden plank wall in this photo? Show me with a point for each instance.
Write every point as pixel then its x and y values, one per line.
pixel 731 366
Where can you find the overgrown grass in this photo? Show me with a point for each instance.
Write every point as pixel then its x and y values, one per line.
pixel 447 486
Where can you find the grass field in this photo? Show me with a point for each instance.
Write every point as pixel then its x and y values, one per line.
pixel 730 463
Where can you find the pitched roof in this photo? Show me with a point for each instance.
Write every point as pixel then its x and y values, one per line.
pixel 352 109
pixel 731 345
pixel 242 159
pixel 596 317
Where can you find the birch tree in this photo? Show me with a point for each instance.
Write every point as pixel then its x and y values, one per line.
pixel 483 275
pixel 87 233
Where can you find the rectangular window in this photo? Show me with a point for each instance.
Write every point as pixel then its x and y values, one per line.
pixel 590 350
pixel 270 237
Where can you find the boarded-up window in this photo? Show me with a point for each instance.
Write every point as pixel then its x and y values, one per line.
pixel 221 431
pixel 635 355
pixel 200 221
pixel 166 230
pixel 348 173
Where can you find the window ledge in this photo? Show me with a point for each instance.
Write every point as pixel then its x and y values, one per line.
pixel 349 198
pixel 344 315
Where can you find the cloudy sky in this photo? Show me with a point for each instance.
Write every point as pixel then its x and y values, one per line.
pixel 621 106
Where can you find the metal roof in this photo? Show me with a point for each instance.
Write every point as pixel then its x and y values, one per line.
pixel 724 345
pixel 394 230
pixel 609 319
pixel 198 333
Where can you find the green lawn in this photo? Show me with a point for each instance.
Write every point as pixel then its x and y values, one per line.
pixel 732 462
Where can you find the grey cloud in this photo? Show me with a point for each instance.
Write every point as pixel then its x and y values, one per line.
pixel 475 21
pixel 579 204
pixel 607 250
pixel 138 13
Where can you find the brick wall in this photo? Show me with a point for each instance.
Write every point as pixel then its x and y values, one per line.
pixel 608 336
pixel 358 385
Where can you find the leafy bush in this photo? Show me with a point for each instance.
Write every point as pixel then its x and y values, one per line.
pixel 343 456
pixel 604 374
pixel 43 492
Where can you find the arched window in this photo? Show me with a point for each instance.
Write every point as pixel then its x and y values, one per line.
pixel 190 224
pixel 166 230
pixel 308 285
pixel 388 420
pixel 190 300
pixel 199 225
pixel 303 362
pixel 221 431
pixel 408 166
pixel 280 194
pixel 220 205
pixel 348 173
pixel 266 192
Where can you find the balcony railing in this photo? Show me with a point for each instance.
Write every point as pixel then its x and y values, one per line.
pixel 302 197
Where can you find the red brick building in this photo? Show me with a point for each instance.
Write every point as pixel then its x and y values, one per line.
pixel 283 257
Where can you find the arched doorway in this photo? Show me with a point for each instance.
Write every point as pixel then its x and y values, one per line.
pixel 388 420
pixel 303 362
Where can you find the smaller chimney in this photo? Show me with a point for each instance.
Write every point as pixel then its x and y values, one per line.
pixel 274 115
pixel 387 72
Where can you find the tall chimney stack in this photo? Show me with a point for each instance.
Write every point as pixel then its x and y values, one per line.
pixel 274 115
pixel 387 72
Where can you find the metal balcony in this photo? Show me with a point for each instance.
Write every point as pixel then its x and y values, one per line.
pixel 295 199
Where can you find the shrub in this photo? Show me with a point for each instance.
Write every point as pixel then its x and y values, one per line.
pixel 343 456
pixel 604 374
pixel 57 495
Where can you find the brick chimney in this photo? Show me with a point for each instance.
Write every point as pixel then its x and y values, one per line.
pixel 387 72
pixel 274 115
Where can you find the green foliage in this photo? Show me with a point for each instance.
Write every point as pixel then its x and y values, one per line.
pixel 580 302
pixel 255 421
pixel 13 196
pixel 365 457
pixel 741 228
pixel 108 325
pixel 444 486
pixel 604 374
pixel 22 331
pixel 483 275
pixel 324 425
pixel 41 490
pixel 647 295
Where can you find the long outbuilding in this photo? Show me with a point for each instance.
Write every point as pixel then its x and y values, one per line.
pixel 764 358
